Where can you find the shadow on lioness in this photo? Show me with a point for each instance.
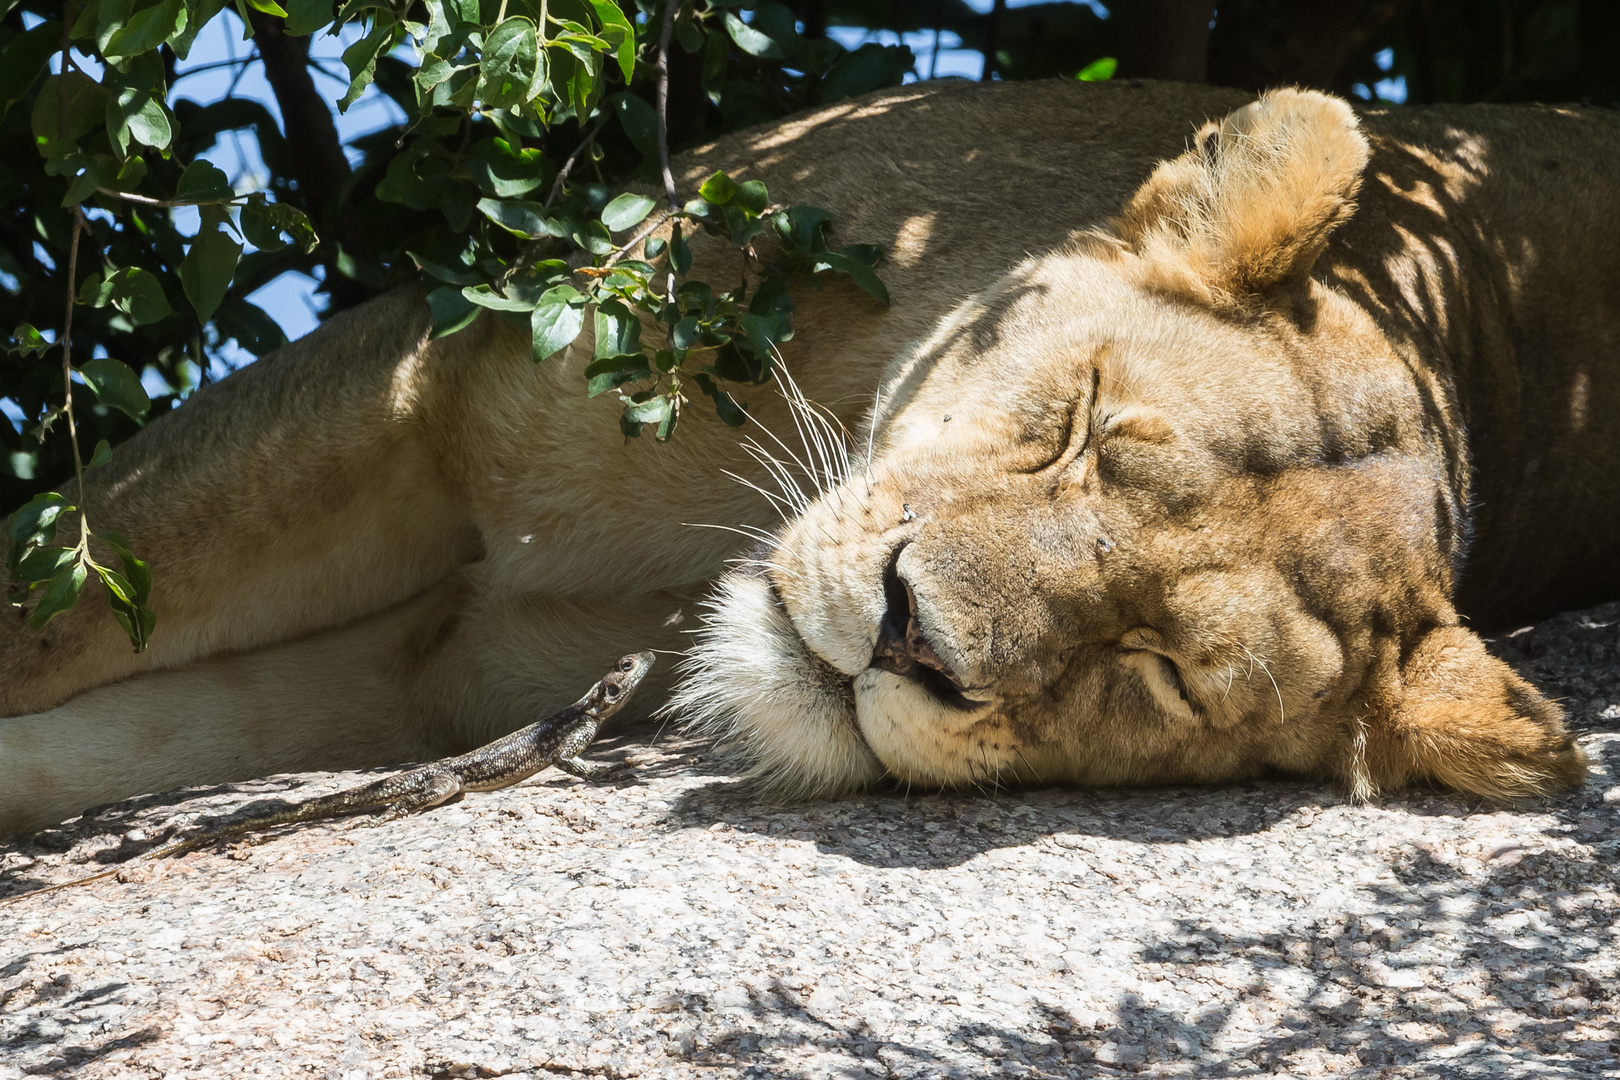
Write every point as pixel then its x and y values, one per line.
pixel 1176 474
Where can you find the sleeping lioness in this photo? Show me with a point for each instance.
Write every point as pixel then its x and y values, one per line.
pixel 1176 473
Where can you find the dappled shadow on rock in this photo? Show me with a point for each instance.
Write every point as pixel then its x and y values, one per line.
pixel 947 829
pixel 1573 659
pixel 1261 931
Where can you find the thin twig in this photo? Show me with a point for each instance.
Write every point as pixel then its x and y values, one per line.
pixel 568 166
pixel 143 200
pixel 214 66
pixel 79 226
pixel 646 231
pixel 670 8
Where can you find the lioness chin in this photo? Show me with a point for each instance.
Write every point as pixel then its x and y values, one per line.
pixel 1161 474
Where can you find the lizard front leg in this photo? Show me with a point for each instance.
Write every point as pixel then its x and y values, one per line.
pixel 585 770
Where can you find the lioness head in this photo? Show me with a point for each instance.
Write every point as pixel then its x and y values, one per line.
pixel 1161 508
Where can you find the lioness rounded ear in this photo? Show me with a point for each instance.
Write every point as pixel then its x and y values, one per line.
pixel 1247 211
pixel 1466 721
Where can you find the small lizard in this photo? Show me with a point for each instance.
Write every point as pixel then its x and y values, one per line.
pixel 557 740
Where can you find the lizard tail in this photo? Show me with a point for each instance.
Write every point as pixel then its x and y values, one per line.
pixel 326 806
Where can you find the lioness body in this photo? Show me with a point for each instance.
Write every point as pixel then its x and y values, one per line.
pixel 371 547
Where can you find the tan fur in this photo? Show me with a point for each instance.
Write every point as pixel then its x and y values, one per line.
pixel 1184 499
pixel 1250 208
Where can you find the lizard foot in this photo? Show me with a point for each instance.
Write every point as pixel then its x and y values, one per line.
pixel 424 791
pixel 596 774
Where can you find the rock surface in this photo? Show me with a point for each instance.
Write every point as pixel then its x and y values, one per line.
pixel 674 927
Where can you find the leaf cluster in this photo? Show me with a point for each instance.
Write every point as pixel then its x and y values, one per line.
pixel 504 191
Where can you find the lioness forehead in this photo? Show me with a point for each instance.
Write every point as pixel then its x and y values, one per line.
pixel 1073 340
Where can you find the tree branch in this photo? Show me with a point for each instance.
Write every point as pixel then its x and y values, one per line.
pixel 79 227
pixel 318 162
pixel 568 166
pixel 670 8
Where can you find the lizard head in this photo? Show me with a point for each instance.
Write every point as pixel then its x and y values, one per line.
pixel 617 686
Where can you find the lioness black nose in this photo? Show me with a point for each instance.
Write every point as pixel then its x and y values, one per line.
pixel 904 649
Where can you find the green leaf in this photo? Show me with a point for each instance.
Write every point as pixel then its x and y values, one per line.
pixel 752 196
pixel 652 411
pixel 116 385
pixel 498 168
pixel 607 365
pixel 870 67
pixel 27 341
pixel 307 16
pixel 102 455
pixel 509 72
pixel 451 311
pixel 557 320
pixel 618 332
pixel 627 211
pixel 199 13
pixel 202 182
pixel 42 564
pixel 361 60
pixel 132 290
pixel 593 237
pixel 602 382
pixel 129 175
pixel 128 592
pixel 526 219
pixel 146 30
pixel 666 426
pixel 86 110
pixel 485 296
pixel 639 120
pixel 24 59
pixel 137 572
pixel 762 331
pixel 83 178
pixel 34 524
pixel 716 62
pixel 619 31
pixel 858 272
pixel 718 189
pixel 117 585
pixel 730 413
pixel 680 253
pixel 264 222
pixel 454 275
pixel 689 34
pixel 802 228
pixel 751 41
pixel 138 115
pixel 253 329
pixel 1099 70
pixel 60 595
pixel 686 333
pixel 210 263
pixel 504 182
pixel 269 7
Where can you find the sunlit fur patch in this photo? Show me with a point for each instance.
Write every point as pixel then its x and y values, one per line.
pixel 749 678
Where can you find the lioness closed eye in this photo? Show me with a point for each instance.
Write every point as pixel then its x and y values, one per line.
pixel 1183 459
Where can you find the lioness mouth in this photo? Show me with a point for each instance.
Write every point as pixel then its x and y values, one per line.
pixel 904 649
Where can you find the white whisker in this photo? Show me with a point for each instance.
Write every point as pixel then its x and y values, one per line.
pixel 741 530
pixel 781 505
